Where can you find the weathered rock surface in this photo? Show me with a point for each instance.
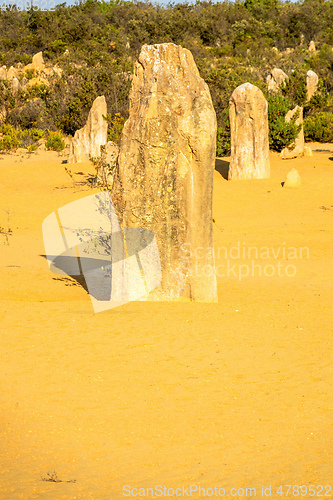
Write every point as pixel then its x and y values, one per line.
pixel 312 46
pixel 3 73
pixel 37 64
pixel 298 150
pixel 249 134
pixel 15 85
pixel 311 83
pixel 275 79
pixel 112 152
pixel 88 140
pixel 164 175
pixel 308 151
pixel 37 80
pixel 24 82
pixel 12 73
pixel 293 179
pixel 105 175
pixel 55 70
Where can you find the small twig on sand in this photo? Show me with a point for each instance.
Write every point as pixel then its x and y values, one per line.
pixel 6 231
pixel 53 478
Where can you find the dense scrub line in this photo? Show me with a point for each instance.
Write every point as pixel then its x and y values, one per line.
pixel 95 44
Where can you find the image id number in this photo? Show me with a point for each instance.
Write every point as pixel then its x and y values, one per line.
pixel 304 490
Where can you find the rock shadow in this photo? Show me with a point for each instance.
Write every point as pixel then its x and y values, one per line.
pixel 70 279
pixel 95 264
pixel 222 167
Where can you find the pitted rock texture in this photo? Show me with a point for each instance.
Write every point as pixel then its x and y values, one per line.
pixel 164 176
pixel 311 84
pixel 249 134
pixel 88 140
pixel 312 46
pixel 275 79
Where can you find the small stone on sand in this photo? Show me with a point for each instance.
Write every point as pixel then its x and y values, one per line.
pixel 307 151
pixel 293 179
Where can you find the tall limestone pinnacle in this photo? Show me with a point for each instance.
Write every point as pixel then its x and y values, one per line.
pixel 311 84
pixel 249 134
pixel 88 139
pixel 164 176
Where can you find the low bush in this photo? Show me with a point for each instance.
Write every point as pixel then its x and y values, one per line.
pixel 9 143
pixel 223 142
pixel 55 141
pixel 36 134
pixel 11 138
pixel 295 88
pixel 30 137
pixel 320 101
pixel 31 148
pixel 281 134
pixel 30 73
pixel 38 91
pixel 15 137
pixel 28 116
pixel 319 127
pixel 115 127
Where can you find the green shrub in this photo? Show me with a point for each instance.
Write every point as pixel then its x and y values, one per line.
pixel 6 128
pixel 30 73
pixel 223 143
pixel 29 115
pixel 320 101
pixel 11 138
pixel 319 127
pixel 30 137
pixel 3 59
pixel 213 31
pixel 55 141
pixel 9 143
pixel 57 47
pixel 76 115
pixel 36 134
pixel 281 134
pixel 31 148
pixel 38 91
pixel 26 139
pixel 115 127
pixel 226 50
pixel 295 88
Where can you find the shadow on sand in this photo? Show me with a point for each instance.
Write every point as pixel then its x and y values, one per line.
pixel 222 167
pixel 70 279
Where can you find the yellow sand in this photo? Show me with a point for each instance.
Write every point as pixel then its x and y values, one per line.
pixel 236 394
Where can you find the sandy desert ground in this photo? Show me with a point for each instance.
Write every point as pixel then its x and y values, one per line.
pixel 236 394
